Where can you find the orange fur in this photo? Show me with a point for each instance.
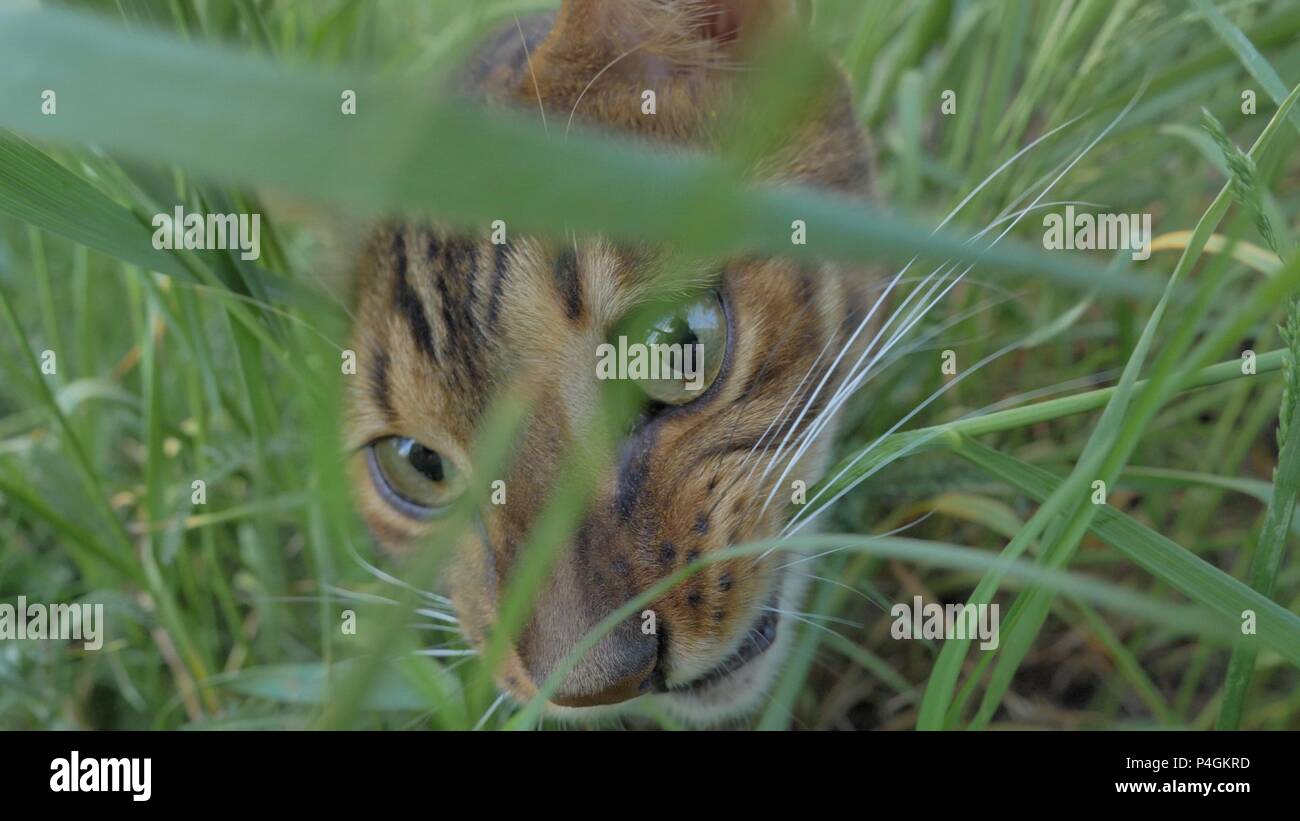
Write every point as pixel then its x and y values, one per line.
pixel 446 323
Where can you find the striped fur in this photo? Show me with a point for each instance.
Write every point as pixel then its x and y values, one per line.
pixel 447 322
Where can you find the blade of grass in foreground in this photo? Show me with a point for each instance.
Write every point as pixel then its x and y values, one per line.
pixel 1279 628
pixel 1196 619
pixel 40 191
pixel 915 441
pixel 1271 547
pixel 1030 610
pixel 407 150
pixel 1105 455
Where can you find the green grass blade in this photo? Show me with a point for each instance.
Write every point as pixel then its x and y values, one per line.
pixel 1279 629
pixel 382 162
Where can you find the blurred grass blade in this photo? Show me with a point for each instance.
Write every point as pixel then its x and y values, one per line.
pixel 37 190
pixel 392 688
pixel 1249 56
pixel 407 150
pixel 1203 621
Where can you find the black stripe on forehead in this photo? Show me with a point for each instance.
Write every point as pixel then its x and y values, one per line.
pixel 379 387
pixel 500 274
pixel 455 262
pixel 568 282
pixel 407 301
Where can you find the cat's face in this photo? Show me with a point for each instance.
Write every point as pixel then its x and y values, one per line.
pixel 448 322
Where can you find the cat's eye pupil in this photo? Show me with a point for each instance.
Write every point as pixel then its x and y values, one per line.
pixel 417 480
pixel 428 462
pixel 698 330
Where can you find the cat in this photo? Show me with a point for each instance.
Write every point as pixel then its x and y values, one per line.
pixel 448 320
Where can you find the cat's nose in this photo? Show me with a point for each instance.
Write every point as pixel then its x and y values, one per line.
pixel 620 665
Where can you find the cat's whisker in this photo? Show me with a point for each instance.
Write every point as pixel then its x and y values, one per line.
pixel 452 666
pixel 859 376
pixel 809 434
pixel 956 209
pixel 794 614
pixel 1014 400
pixel 884 295
pixel 490 710
pixel 862 325
pixel 781 419
pixel 910 322
pixel 927 286
pixel 900 529
pixel 443 653
pixel 1005 215
pixel 437 614
pixel 796 524
pixel 983 183
pixel 528 57
pixel 822 627
pixel 459 645
pixel 320 599
pixel 893 356
pixel 593 80
pixel 436 598
pixel 777 423
pixel 882 603
pixel 842 391
pixel 830 370
pixel 438 628
pixel 1037 200
pixel 781 413
pixel 718 460
pixel 358 595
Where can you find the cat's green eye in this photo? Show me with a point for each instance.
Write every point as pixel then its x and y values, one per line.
pixel 684 349
pixel 416 480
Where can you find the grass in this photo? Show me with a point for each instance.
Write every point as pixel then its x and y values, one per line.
pixel 180 367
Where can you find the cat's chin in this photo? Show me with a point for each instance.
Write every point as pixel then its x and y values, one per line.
pixel 732 696
pixel 740 692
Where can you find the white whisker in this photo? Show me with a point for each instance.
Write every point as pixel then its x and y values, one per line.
pixel 796 614
pixel 900 529
pixel 437 614
pixel 858 376
pixel 490 710
pixel 528 58
pixel 788 530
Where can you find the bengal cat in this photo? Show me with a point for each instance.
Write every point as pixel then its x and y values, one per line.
pixel 448 321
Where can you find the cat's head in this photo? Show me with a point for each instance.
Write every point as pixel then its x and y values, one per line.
pixel 447 322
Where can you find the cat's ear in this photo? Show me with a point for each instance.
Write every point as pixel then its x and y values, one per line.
pixel 668 29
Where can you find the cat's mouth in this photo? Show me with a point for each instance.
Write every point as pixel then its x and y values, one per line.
pixel 760 636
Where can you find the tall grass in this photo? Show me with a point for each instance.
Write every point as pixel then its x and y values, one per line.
pixel 186 366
